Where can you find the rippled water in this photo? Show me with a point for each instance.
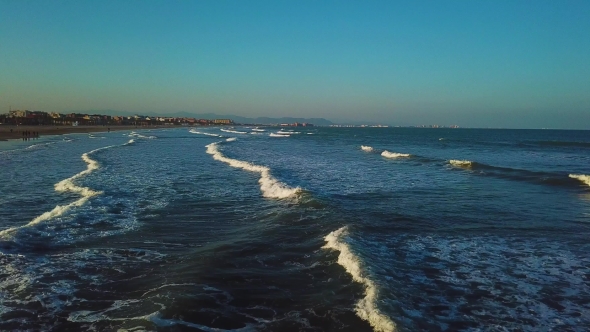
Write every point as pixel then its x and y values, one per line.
pixel 250 229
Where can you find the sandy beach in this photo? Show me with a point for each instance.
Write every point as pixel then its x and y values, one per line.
pixel 16 132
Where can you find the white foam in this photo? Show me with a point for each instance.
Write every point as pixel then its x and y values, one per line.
pixel 231 139
pixel 233 131
pixel 310 133
pixel 581 177
pixel 461 163
pixel 270 187
pixel 65 186
pixel 202 133
pixel 258 129
pixel 366 148
pixel 366 308
pixel 278 135
pixel 288 132
pixel 388 154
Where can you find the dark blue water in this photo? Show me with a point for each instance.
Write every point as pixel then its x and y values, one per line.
pixel 328 229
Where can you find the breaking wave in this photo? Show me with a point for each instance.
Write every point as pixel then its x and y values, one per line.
pixel 270 187
pixel 231 139
pixel 258 129
pixel 66 185
pixel 233 131
pixel 366 308
pixel 202 133
pixel 460 163
pixel 278 135
pixel 367 148
pixel 581 177
pixel 134 134
pixel 388 154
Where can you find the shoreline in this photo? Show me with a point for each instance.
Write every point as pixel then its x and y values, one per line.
pixel 39 131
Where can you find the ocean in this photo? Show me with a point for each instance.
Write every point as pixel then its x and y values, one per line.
pixel 296 229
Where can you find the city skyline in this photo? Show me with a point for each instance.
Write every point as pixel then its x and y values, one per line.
pixel 510 64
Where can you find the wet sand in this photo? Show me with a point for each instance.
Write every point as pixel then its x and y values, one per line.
pixel 17 131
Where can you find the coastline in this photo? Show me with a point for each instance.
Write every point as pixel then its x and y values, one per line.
pixel 17 131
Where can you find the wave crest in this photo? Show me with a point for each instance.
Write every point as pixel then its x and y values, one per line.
pixel 388 154
pixel 582 177
pixel 65 186
pixel 270 186
pixel 461 163
pixel 367 148
pixel 366 308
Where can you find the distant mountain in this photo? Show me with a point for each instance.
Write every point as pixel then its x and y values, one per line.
pixel 211 116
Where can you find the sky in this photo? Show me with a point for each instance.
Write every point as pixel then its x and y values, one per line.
pixel 511 64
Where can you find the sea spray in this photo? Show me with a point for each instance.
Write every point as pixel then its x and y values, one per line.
pixel 367 148
pixel 65 186
pixel 366 308
pixel 582 177
pixel 270 187
pixel 388 154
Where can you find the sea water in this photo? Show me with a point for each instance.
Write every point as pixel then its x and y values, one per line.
pixel 348 229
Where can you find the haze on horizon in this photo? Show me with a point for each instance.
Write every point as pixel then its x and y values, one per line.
pixel 514 64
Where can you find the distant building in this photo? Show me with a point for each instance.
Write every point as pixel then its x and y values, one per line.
pixel 222 121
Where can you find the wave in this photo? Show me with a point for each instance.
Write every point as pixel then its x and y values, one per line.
pixel 270 187
pixel 233 131
pixel 366 308
pixel 202 133
pixel 460 163
pixel 258 129
pixel 388 154
pixel 560 143
pixel 278 135
pixel 134 134
pixel 367 148
pixel 67 185
pixel 538 177
pixel 581 177
pixel 288 132
pixel 231 139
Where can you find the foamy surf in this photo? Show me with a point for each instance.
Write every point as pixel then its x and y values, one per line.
pixel 366 308
pixel 388 154
pixel 366 148
pixel 231 139
pixel 202 133
pixel 233 131
pixel 278 135
pixel 270 187
pixel 65 186
pixel 461 163
pixel 258 129
pixel 581 177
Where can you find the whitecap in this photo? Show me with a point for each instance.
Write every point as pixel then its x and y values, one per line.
pixel 366 308
pixel 278 135
pixel 388 154
pixel 582 177
pixel 233 131
pixel 202 133
pixel 366 148
pixel 270 186
pixel 461 163
pixel 231 139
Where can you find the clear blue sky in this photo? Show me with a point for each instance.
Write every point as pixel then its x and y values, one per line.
pixel 473 63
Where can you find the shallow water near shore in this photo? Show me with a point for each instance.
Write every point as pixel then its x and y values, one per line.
pixel 307 229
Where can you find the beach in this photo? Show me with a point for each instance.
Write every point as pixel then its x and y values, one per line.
pixel 16 132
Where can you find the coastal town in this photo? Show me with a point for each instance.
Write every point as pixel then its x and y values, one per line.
pixel 36 118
